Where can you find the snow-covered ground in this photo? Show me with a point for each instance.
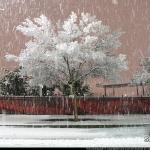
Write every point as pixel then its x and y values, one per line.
pixel 73 137
pixel 18 136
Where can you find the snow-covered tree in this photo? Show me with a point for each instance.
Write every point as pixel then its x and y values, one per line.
pixel 70 51
pixel 143 75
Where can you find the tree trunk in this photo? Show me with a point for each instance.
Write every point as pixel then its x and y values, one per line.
pixel 40 91
pixel 75 103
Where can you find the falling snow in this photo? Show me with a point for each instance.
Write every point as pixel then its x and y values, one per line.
pixel 64 24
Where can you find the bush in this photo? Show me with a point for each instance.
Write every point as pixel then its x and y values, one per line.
pixel 13 84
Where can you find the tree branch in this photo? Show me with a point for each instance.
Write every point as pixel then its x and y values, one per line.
pixel 68 66
pixel 88 73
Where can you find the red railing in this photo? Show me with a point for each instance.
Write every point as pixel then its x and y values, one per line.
pixel 64 105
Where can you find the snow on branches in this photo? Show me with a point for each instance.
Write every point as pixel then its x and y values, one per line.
pixel 80 46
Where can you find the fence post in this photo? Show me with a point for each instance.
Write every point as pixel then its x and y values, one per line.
pixel 105 92
pixel 113 91
pixel 137 89
pixel 143 89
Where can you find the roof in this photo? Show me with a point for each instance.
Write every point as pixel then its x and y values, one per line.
pixel 113 85
pixel 118 85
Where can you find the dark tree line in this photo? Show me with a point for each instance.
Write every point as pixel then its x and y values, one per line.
pixel 14 84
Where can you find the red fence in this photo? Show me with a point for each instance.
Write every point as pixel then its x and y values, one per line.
pixel 64 105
